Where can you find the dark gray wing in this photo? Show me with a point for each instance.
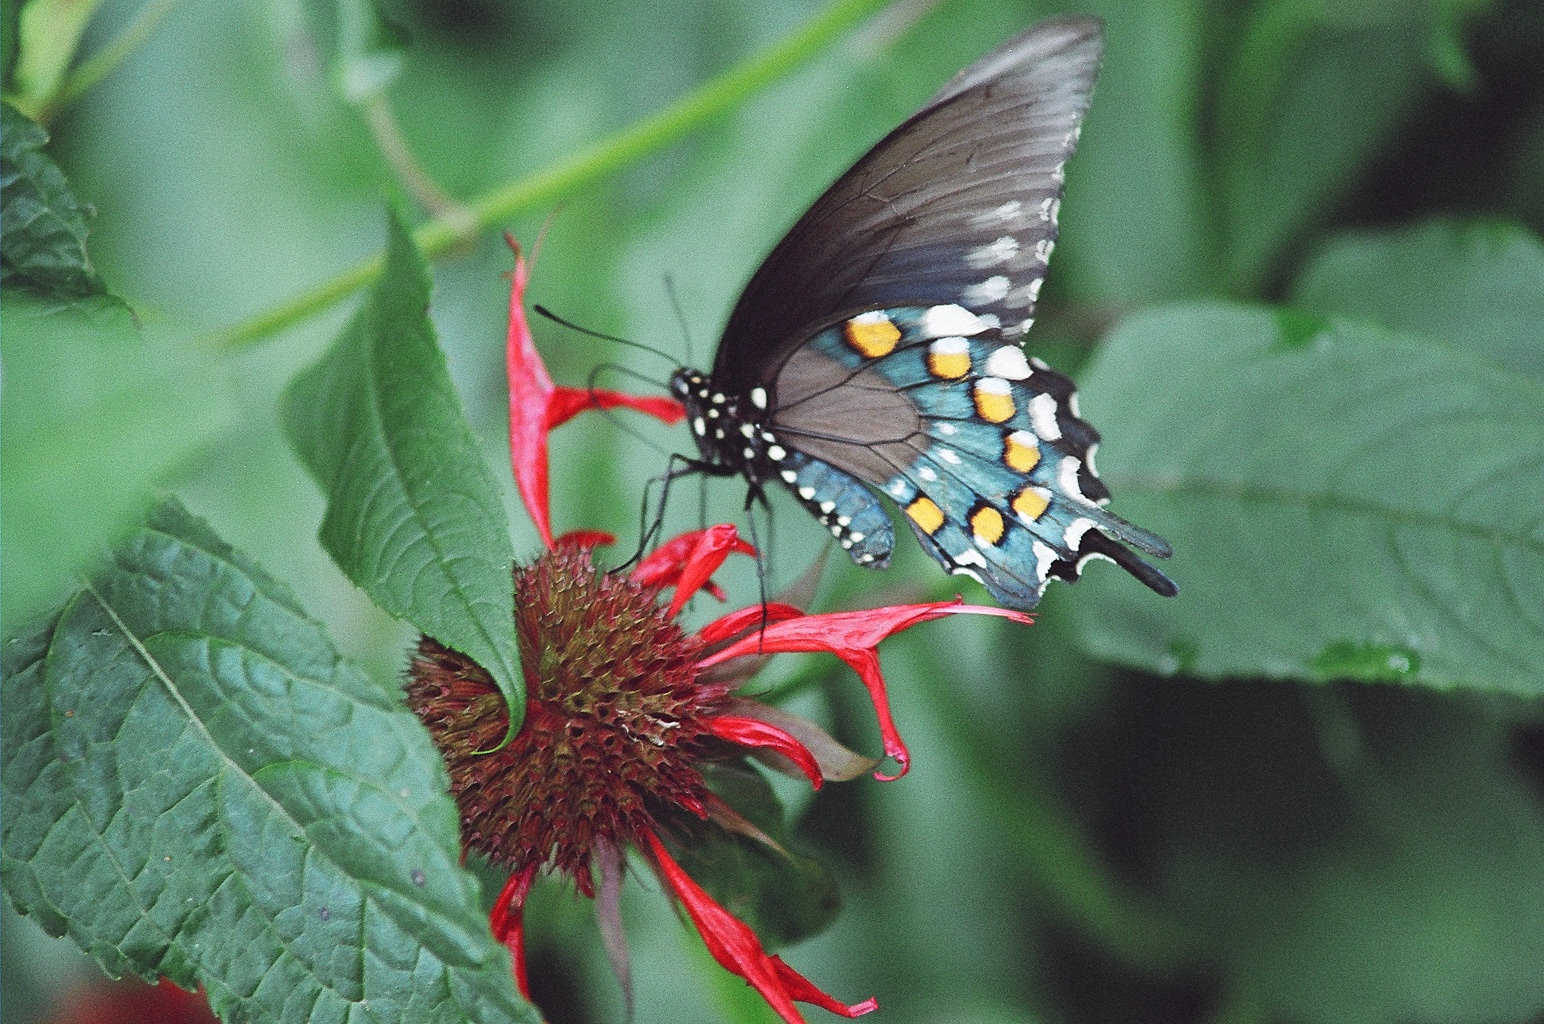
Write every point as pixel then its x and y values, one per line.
pixel 957 205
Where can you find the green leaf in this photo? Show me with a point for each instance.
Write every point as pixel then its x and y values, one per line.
pixel 197 786
pixel 1299 117
pixel 1342 501
pixel 413 514
pixel 372 50
pixel 48 34
pixel 1478 286
pixel 42 223
pixel 1367 855
pixel 93 420
pixel 782 895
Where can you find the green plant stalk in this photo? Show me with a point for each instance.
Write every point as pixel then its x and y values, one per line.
pixel 691 112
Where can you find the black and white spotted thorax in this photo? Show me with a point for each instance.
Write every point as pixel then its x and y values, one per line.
pixel 732 433
pixel 735 437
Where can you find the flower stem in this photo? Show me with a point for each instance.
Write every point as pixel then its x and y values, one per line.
pixel 604 157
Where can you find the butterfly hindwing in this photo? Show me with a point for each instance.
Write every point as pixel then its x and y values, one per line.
pixel 986 455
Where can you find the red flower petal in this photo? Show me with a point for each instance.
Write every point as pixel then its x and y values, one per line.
pixel 737 949
pixel 506 921
pixel 854 637
pixel 750 732
pixel 737 622
pixel 584 539
pixel 536 405
pixel 687 561
pixel 567 403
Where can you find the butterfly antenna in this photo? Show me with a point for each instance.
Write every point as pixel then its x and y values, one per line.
pixel 616 420
pixel 675 304
pixel 550 315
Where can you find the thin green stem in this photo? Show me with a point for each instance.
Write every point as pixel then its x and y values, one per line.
pixel 691 112
pixel 106 60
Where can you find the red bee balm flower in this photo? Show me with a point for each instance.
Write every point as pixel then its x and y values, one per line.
pixel 625 709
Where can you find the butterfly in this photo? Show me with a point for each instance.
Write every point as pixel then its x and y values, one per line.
pixel 878 346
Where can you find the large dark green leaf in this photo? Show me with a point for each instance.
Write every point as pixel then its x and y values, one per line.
pixel 42 223
pixel 413 514
pixel 94 419
pixel 1342 501
pixel 1477 286
pixel 197 786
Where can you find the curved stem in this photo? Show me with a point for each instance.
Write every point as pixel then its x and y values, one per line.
pixel 596 161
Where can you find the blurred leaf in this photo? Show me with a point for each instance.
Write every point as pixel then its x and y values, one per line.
pixel 1135 219
pixel 370 50
pixel 42 223
pixel 1367 856
pixel 197 786
pixel 1300 116
pixel 92 421
pixel 47 35
pixel 1477 286
pixel 783 896
pixel 413 514
pixel 1343 502
pixel 10 25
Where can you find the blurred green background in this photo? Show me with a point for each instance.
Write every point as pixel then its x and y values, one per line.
pixel 1077 841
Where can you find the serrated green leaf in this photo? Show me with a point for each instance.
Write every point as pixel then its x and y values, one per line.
pixel 1350 503
pixel 42 223
pixel 782 895
pixel 196 785
pixel 413 514
pixel 94 419
pixel 1478 286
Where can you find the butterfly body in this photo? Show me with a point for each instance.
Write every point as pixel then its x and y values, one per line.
pixel 878 347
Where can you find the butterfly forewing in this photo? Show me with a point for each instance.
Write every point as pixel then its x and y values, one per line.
pixel 957 205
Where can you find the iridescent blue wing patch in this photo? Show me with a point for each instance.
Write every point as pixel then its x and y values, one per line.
pixel 980 447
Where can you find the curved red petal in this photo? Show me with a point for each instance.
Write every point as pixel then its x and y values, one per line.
pixel 715 544
pixel 530 395
pixel 737 949
pixel 569 402
pixel 506 920
pixel 585 539
pixel 738 621
pixel 751 732
pixel 854 637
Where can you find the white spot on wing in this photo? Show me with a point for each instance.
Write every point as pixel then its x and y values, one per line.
pixel 1044 556
pixel 1042 416
pixel 899 487
pixel 941 321
pixel 970 556
pixel 759 397
pixel 1043 250
pixel 776 453
pixel 789 476
pixel 949 455
pixel 807 493
pixel 1008 361
pixel 1074 535
pixel 927 473
pixel 700 427
pixel 873 316
pixel 950 347
pixel 945 429
pixel 1067 477
pixel 985 292
pixel 993 253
